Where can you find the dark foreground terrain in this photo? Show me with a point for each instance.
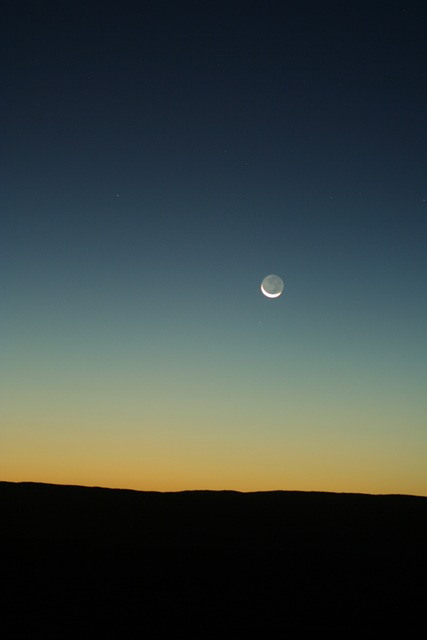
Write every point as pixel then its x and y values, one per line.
pixel 90 562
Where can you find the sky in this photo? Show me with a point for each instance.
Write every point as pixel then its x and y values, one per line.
pixel 157 161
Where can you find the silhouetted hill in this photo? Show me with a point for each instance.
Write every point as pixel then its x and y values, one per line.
pixel 107 560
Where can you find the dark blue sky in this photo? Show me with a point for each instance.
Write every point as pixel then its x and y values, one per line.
pixel 157 160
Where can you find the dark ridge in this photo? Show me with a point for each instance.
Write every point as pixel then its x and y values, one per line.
pixel 205 561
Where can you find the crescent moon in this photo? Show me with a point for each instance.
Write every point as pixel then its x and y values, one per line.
pixel 270 295
pixel 272 286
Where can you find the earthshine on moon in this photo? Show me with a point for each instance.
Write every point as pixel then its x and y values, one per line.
pixel 272 286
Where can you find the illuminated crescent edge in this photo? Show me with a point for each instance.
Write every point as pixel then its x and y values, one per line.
pixel 270 295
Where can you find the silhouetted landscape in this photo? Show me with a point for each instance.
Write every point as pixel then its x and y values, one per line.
pixel 94 561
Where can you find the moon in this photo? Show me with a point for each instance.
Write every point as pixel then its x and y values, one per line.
pixel 272 286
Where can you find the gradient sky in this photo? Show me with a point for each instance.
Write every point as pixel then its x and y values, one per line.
pixel 157 160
